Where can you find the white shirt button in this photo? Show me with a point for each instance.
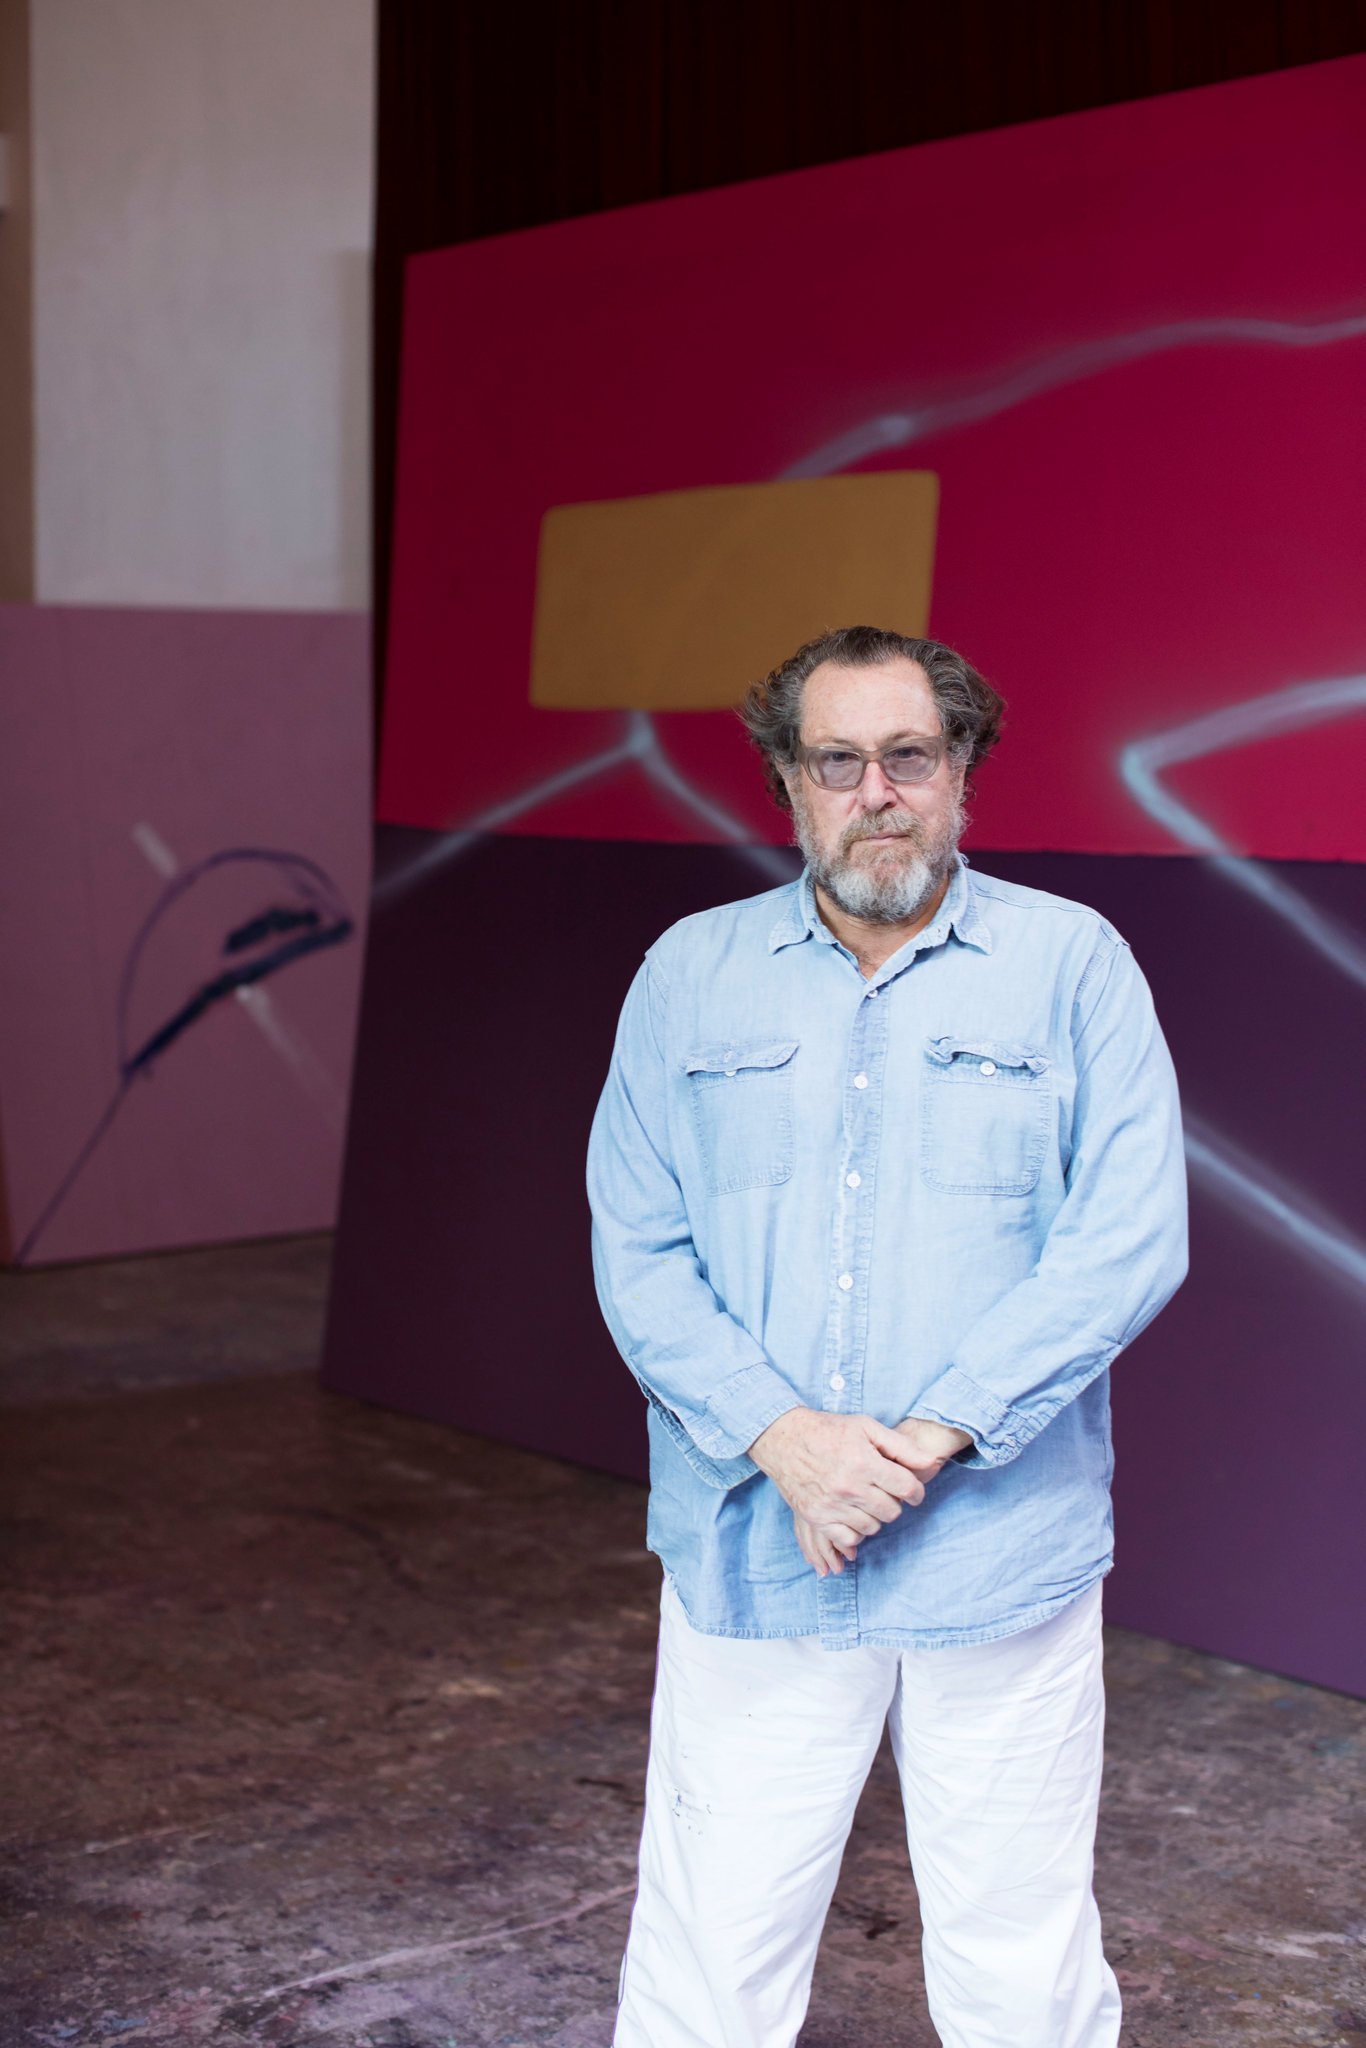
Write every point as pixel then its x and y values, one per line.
pixel 837 1382
pixel 860 1080
pixel 988 1066
pixel 871 991
pixel 846 1281
pixel 853 1180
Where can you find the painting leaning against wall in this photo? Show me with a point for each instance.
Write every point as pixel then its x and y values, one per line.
pixel 1133 388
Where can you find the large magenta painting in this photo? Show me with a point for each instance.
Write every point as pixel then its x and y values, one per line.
pixel 1131 344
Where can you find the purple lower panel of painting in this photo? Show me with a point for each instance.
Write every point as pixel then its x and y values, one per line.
pixel 462 1290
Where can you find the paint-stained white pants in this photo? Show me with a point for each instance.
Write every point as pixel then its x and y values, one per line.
pixel 758 1752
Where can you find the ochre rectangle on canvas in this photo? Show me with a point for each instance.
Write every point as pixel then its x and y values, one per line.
pixel 674 601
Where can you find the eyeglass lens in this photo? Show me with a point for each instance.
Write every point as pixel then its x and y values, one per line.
pixel 842 768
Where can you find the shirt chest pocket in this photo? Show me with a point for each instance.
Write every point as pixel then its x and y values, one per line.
pixel 985 1111
pixel 741 1107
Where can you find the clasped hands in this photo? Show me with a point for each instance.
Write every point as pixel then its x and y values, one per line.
pixel 845 1476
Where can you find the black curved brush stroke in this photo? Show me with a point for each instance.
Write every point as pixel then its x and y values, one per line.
pixel 227 983
pixel 274 920
pixel 325 921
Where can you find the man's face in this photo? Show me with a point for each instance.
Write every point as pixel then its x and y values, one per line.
pixel 881 851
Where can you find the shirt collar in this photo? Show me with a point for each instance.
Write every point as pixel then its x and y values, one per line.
pixel 960 912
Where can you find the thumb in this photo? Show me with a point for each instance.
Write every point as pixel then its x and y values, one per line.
pixel 892 1444
pixel 889 1440
pixel 925 1465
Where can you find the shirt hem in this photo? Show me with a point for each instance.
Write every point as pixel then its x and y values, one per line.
pixel 906 1638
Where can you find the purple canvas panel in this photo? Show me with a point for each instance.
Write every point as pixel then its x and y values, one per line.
pixel 151 759
pixel 462 1288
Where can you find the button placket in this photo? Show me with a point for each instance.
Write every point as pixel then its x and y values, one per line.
pixel 843 1378
pixel 847 1329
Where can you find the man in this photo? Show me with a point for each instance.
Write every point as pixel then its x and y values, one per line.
pixel 886 1171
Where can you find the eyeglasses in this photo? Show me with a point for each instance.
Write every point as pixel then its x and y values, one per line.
pixel 911 760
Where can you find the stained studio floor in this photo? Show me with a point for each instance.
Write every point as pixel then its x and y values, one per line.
pixel 324 1725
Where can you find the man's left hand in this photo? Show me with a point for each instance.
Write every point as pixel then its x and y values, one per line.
pixel 934 1444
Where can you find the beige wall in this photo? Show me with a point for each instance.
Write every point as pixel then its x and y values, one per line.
pixel 16 368
pixel 202 200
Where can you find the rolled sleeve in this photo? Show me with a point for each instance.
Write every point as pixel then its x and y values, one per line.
pixel 1116 1250
pixel 958 1403
pixel 712 1385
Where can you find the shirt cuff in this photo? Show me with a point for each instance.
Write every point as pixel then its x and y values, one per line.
pixel 998 1433
pixel 742 1408
pixel 722 1473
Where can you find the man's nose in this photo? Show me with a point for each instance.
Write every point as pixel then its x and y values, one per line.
pixel 877 790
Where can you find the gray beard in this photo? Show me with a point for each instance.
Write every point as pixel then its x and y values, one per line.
pixel 882 890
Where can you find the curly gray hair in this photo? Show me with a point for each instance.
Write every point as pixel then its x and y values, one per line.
pixel 969 709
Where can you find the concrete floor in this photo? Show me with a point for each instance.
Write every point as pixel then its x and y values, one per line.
pixel 325 1725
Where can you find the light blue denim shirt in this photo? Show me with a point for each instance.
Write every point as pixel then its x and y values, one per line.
pixel 955 1190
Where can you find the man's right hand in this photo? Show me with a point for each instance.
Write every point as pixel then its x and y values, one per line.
pixel 846 1475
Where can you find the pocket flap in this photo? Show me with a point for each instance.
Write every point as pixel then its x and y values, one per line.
pixel 1000 1051
pixel 734 1059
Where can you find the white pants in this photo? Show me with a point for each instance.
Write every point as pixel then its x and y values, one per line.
pixel 758 1752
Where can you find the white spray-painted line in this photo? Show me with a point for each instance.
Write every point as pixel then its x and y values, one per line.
pixel 402 1958
pixel 771 860
pixel 1293 709
pixel 154 850
pixel 309 1071
pixel 641 746
pixel 461 837
pixel 257 1004
pixel 1065 366
pixel 1285 1214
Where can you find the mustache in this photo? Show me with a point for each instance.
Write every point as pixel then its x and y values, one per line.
pixel 884 828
